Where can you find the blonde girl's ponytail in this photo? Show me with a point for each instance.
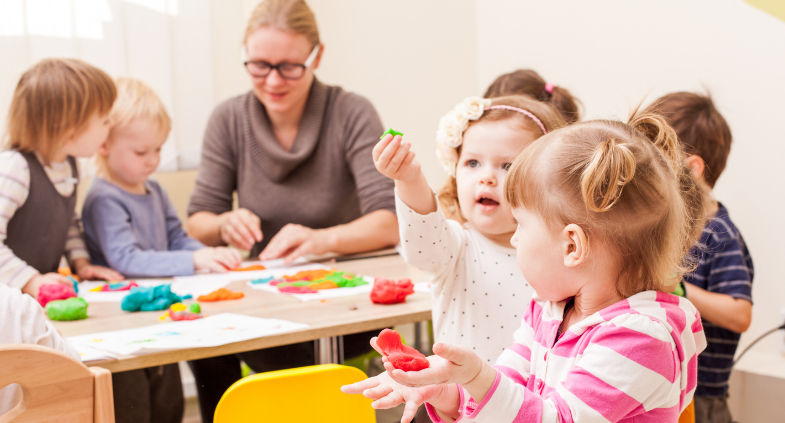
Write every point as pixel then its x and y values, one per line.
pixel 661 134
pixel 611 167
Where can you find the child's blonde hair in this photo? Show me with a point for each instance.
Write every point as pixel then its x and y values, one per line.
pixel 625 185
pixel 135 100
pixel 53 100
pixel 547 114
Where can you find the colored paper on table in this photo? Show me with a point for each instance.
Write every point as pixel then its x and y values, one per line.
pixel 321 294
pixel 182 287
pixel 211 331
pixel 88 354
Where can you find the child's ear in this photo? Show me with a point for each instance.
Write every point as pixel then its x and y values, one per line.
pixel 103 150
pixel 575 245
pixel 697 165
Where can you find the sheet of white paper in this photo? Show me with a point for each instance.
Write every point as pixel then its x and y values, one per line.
pixel 113 296
pixel 424 287
pixel 91 354
pixel 274 267
pixel 193 285
pixel 218 329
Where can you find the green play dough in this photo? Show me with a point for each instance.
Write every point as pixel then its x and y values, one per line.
pixel 70 309
pixel 195 308
pixel 392 132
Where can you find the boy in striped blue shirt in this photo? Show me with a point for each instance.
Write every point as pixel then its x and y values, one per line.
pixel 721 285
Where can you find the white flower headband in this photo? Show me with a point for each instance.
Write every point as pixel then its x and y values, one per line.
pixel 449 136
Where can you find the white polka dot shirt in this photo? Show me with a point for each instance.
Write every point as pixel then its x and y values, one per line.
pixel 478 291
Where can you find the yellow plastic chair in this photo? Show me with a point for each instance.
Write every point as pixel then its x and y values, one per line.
pixel 688 415
pixel 306 394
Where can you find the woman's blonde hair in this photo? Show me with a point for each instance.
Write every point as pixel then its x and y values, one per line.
pixel 547 114
pixel 286 15
pixel 135 100
pixel 625 185
pixel 53 100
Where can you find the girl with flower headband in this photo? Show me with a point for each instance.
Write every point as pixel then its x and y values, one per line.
pixel 476 286
pixel 603 227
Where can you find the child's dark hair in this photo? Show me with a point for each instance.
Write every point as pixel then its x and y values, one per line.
pixel 627 187
pixel 701 129
pixel 529 83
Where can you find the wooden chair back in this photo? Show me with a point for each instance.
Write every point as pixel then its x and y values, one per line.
pixel 54 387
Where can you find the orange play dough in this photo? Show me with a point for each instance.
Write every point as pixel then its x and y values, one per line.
pixel 249 268
pixel 221 295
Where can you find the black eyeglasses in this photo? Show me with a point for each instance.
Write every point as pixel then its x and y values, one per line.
pixel 291 71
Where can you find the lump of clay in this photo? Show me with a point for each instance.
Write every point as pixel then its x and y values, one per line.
pixel 52 292
pixel 70 309
pixel 221 295
pixel 387 291
pixel 401 356
pixel 151 299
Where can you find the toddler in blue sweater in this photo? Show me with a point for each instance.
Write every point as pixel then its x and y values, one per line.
pixel 129 222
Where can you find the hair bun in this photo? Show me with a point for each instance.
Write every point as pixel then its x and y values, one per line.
pixel 612 166
pixel 656 128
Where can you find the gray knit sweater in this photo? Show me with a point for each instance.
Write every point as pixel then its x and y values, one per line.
pixel 327 179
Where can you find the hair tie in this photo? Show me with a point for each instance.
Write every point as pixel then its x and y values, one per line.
pixel 549 88
pixel 525 112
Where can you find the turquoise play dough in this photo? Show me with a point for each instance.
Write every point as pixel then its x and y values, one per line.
pixel 151 299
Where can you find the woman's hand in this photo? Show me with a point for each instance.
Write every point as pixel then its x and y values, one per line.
pixel 90 272
pixel 240 228
pixel 217 259
pixel 34 284
pixel 386 393
pixel 294 240
pixel 394 160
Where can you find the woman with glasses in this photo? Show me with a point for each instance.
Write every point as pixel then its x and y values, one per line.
pixel 298 154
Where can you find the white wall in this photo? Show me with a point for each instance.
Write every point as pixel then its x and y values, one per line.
pixel 613 54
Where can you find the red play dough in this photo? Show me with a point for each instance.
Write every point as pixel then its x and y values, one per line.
pixel 52 292
pixel 386 291
pixel 401 356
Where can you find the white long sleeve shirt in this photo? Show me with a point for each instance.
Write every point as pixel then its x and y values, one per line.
pixel 478 291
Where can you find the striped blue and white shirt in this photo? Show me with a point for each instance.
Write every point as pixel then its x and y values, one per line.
pixel 725 267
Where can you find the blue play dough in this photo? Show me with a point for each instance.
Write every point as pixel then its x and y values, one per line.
pixel 262 280
pixel 151 299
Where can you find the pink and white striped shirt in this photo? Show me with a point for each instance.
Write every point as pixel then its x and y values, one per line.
pixel 633 361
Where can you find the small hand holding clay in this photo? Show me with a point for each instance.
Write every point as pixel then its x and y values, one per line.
pixel 240 228
pixel 34 284
pixel 450 364
pixel 392 158
pixel 294 240
pixel 401 356
pixel 217 259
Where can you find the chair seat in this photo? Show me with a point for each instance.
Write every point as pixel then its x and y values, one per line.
pixel 305 394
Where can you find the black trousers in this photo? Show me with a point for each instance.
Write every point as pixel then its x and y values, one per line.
pixel 151 395
pixel 216 374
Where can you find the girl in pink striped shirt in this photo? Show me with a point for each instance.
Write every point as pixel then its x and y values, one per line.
pixel 604 221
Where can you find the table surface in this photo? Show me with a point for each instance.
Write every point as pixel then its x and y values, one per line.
pixel 335 317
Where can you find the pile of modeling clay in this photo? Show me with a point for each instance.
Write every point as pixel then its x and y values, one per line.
pixel 251 268
pixel 180 311
pixel 151 299
pixel 70 309
pixel 220 295
pixel 401 356
pixel 114 287
pixel 311 281
pixel 52 292
pixel 388 291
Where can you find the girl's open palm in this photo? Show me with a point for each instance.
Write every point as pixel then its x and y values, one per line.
pixel 386 393
pixel 451 364
pixel 394 160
